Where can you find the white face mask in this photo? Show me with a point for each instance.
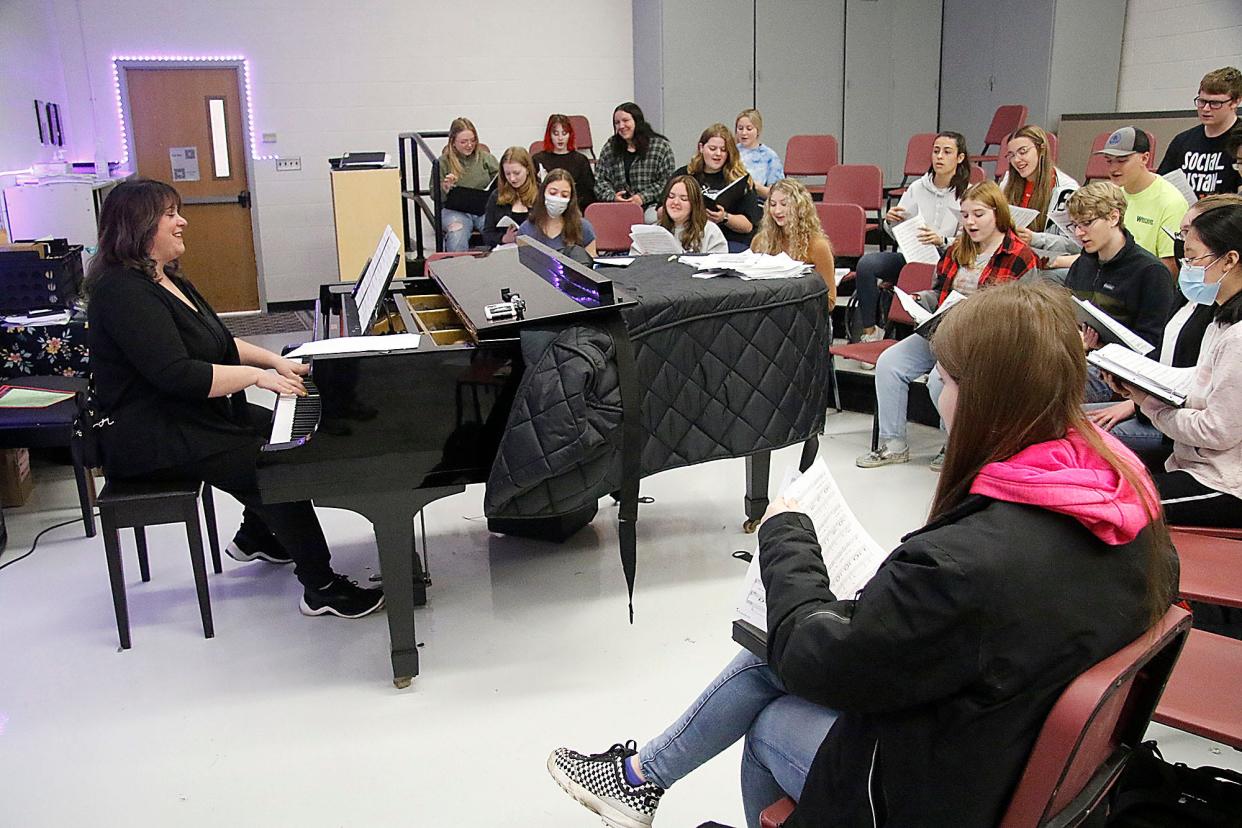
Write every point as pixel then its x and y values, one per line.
pixel 556 205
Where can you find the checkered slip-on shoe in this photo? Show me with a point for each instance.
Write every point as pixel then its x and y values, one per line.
pixel 598 782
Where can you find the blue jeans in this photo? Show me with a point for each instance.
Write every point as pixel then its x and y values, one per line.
pixel 897 367
pixel 457 228
pixel 1137 435
pixel 1097 390
pixel 783 734
pixel 872 269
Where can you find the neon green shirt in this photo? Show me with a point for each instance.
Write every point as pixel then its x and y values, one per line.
pixel 1159 205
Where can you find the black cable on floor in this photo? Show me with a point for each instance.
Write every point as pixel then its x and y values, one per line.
pixel 35 542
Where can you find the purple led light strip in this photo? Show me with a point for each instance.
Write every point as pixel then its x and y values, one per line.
pixel 120 109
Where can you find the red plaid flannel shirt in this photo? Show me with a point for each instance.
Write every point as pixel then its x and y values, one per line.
pixel 1012 259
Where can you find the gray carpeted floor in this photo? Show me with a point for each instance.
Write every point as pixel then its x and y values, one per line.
pixel 269 323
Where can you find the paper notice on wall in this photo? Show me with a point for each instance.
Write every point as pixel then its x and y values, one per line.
pixel 184 163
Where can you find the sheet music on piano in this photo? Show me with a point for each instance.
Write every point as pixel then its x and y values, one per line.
pixel 851 555
pixel 370 290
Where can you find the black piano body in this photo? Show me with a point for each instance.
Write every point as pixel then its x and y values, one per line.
pixel 383 439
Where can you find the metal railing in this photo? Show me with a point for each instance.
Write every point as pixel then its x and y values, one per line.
pixel 410 147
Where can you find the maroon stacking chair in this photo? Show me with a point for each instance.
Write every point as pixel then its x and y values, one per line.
pixel 846 226
pixel 582 135
pixel 914 277
pixel 918 159
pixel 861 184
pixel 1054 146
pixel 535 147
pixel 1089 734
pixel 1202 696
pixel 1002 163
pixel 977 174
pixel 612 221
pixel 811 156
pixel 1006 120
pixel 1097 169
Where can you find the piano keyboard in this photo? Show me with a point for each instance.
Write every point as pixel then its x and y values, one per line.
pixel 294 418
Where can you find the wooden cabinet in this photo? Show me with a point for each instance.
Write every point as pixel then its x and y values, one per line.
pixel 363 203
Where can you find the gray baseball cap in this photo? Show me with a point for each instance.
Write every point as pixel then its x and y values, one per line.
pixel 1125 141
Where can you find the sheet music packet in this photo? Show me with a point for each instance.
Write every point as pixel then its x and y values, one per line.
pixel 921 314
pixel 1022 216
pixel 1110 330
pixel 851 555
pixel 1166 383
pixel 907 235
pixel 1179 180
pixel 652 238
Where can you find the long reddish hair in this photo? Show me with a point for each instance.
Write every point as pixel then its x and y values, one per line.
pixel 564 121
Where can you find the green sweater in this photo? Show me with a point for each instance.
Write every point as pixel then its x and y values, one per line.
pixel 477 170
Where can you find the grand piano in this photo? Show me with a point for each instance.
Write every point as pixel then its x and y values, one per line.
pixel 387 430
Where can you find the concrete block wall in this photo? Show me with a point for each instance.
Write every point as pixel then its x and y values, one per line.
pixel 330 77
pixel 1169 45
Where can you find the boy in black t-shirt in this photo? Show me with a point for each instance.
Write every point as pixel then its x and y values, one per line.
pixel 1200 151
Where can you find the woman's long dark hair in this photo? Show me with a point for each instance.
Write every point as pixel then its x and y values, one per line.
pixel 571 219
pixel 1029 331
pixel 1220 230
pixel 127 224
pixel 643 133
pixel 961 175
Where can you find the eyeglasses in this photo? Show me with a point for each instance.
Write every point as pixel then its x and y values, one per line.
pixel 1189 259
pixel 1200 103
pixel 1084 226
pixel 1021 152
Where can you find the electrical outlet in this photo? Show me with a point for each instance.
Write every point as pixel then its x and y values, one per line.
pixel 288 164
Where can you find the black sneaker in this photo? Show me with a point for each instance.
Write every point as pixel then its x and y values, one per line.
pixel 598 782
pixel 343 598
pixel 246 548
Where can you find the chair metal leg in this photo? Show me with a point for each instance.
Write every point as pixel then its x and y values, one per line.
pixel 875 429
pixel 116 576
pixel 144 565
pixel 194 536
pixel 213 533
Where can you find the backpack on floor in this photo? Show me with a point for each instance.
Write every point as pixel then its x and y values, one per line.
pixel 1152 793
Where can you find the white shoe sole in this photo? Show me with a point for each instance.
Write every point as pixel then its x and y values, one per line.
pixel 306 609
pixel 609 814
pixel 234 551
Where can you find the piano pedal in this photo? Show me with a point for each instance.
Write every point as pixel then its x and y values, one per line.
pixel 376 578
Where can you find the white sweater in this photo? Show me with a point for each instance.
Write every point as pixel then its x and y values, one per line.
pixel 1207 431
pixel 939 208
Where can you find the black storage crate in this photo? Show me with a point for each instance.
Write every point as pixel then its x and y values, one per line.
pixel 28 282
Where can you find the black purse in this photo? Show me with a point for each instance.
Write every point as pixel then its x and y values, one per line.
pixel 87 427
pixel 1152 793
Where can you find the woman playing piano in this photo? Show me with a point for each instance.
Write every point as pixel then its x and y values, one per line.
pixel 170 380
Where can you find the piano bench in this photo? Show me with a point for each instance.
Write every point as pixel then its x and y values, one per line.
pixel 137 504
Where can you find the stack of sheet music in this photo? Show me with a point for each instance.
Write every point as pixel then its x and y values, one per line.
pixel 748 265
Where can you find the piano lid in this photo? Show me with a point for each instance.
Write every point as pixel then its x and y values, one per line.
pixel 553 286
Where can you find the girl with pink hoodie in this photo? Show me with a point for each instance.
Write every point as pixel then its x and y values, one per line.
pixel 917 700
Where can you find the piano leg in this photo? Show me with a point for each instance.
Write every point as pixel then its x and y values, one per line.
pixel 392 518
pixel 758 468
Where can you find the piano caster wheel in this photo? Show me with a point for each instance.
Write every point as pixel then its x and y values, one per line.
pixel 749 526
pixel 401 682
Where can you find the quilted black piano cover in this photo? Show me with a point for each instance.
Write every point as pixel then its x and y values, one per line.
pixel 727 368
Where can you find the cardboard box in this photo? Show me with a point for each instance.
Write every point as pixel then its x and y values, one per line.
pixel 16 482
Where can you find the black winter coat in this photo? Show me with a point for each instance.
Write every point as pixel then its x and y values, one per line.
pixel 945 666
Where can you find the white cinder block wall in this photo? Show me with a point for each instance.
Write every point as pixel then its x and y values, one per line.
pixel 331 77
pixel 1169 45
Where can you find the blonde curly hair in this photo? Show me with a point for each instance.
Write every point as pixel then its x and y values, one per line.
pixel 801 228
